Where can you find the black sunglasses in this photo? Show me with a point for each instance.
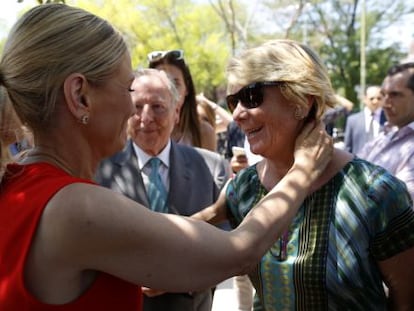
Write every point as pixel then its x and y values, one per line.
pixel 159 55
pixel 250 96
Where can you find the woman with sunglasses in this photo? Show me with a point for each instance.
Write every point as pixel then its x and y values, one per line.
pixel 67 243
pixel 190 130
pixel 355 229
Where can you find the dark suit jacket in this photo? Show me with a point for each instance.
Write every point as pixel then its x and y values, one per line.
pixel 196 178
pixel 355 136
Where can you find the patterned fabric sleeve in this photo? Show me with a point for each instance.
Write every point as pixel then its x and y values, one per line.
pixel 231 201
pixel 393 221
pixel 242 193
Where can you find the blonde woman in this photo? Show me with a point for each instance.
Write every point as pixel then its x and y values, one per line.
pixel 69 244
pixel 354 231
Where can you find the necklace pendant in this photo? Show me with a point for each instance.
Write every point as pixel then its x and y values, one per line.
pixel 283 243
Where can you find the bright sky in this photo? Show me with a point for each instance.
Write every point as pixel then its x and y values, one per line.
pixel 9 11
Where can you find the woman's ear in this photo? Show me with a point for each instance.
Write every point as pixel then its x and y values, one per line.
pixel 306 110
pixel 310 99
pixel 311 108
pixel 300 114
pixel 74 90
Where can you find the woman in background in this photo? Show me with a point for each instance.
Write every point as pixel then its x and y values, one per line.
pixel 189 130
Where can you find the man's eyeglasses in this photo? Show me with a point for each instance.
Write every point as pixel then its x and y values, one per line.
pixel 159 55
pixel 250 96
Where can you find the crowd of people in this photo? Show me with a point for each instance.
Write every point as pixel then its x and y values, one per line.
pixel 121 199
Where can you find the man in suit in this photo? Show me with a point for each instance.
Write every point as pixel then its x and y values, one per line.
pixel 364 126
pixel 192 177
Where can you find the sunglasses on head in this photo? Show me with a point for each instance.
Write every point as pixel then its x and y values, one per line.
pixel 155 56
pixel 250 96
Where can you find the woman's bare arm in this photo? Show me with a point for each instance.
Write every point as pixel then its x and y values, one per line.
pixel 225 117
pixel 208 136
pixel 398 272
pixel 87 227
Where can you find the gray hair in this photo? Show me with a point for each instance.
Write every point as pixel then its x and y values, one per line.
pixel 162 75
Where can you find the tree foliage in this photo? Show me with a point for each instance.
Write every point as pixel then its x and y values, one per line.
pixel 210 31
pixel 333 29
pixel 170 24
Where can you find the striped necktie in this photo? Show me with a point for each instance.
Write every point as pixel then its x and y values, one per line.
pixel 157 194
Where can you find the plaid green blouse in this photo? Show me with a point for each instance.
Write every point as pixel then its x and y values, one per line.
pixel 362 215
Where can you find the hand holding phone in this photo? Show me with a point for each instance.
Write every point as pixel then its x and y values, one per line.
pixel 238 151
pixel 239 159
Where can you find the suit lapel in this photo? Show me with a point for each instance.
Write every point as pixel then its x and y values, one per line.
pixel 179 172
pixel 128 176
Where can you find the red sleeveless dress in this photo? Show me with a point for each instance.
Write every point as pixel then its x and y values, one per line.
pixel 24 193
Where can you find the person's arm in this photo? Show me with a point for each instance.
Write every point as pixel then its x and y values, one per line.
pixel 224 116
pixel 215 214
pixel 238 162
pixel 87 227
pixel 208 136
pixel 344 102
pixel 398 272
pixel 406 174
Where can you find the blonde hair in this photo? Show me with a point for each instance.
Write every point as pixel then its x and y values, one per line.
pixel 47 44
pixel 298 67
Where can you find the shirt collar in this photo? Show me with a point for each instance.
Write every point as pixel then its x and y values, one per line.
pixel 144 157
pixel 411 125
pixel 395 132
pixel 375 114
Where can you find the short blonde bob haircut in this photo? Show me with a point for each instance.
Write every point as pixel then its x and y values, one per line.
pixel 300 70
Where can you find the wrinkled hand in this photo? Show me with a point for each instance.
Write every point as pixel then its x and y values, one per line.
pixel 149 292
pixel 313 150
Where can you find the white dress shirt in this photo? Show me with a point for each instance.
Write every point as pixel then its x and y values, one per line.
pixel 145 169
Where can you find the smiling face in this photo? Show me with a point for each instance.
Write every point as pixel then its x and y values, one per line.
pixel 294 88
pixel 270 128
pixel 156 114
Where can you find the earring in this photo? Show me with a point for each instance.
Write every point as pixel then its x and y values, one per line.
pixel 299 113
pixel 84 119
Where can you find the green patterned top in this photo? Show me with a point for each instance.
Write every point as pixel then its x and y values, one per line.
pixel 362 215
